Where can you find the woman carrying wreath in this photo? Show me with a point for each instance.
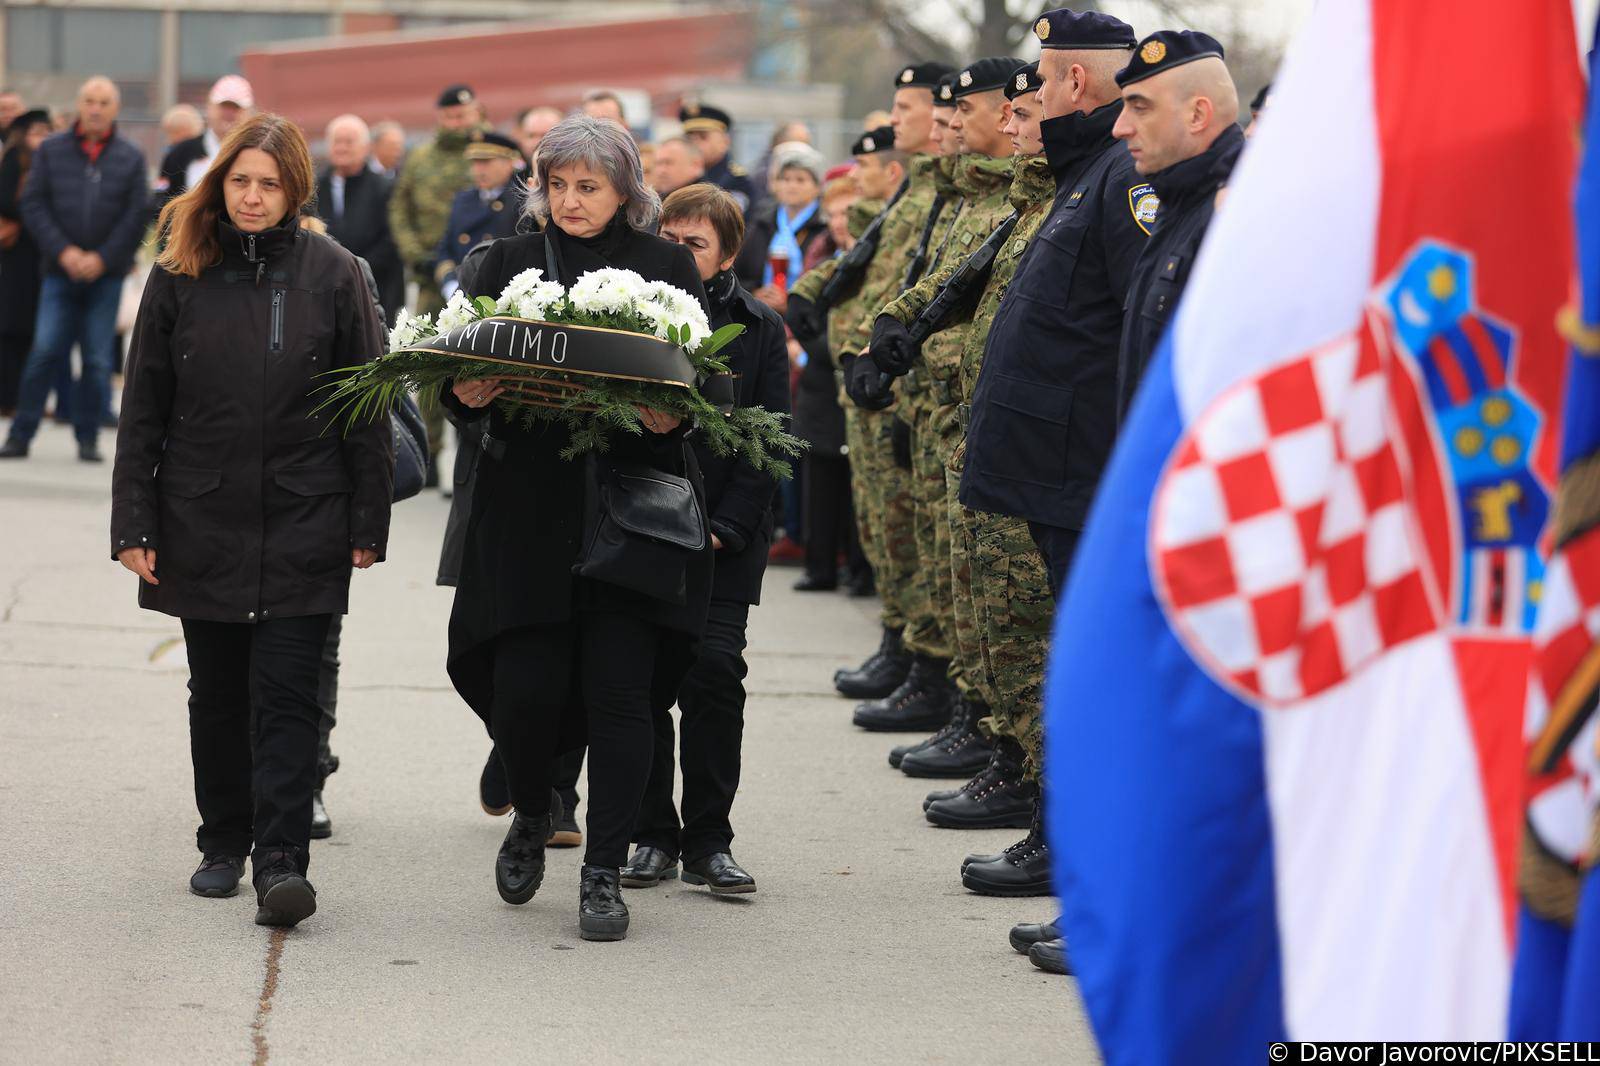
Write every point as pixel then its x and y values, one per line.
pixel 546 658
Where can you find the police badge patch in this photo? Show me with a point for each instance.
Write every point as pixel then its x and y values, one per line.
pixel 1144 203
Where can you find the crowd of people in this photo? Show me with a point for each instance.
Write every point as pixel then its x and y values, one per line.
pixel 957 316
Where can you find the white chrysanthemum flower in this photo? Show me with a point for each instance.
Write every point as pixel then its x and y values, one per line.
pixel 608 291
pixel 533 301
pixel 667 305
pixel 408 330
pixel 458 312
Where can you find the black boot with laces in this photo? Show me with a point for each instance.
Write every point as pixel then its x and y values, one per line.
pixel 959 750
pixel 924 701
pixel 1023 869
pixel 998 798
pixel 601 913
pixel 955 725
pixel 881 674
pixel 519 868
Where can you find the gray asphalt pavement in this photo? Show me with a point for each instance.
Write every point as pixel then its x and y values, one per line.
pixel 861 945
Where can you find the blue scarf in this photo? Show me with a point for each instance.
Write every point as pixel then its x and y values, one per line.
pixel 784 243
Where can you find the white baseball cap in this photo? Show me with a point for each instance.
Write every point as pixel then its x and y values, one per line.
pixel 232 89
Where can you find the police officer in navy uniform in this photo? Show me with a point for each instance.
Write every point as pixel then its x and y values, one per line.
pixel 1043 413
pixel 1180 123
pixel 708 129
pixel 488 210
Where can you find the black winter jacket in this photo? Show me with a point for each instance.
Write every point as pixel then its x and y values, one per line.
pixel 364 230
pixel 98 206
pixel 751 262
pixel 252 501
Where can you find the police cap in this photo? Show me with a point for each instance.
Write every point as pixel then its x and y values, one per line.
pixel 456 94
pixel 1025 81
pixel 1165 49
pixel 873 141
pixel 984 75
pixel 703 118
pixel 1081 31
pixel 945 94
pixel 921 76
pixel 492 145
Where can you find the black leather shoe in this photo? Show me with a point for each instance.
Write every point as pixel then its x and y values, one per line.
pixel 1023 869
pixel 925 701
pixel 997 798
pixel 720 874
pixel 284 897
pixel 13 450
pixel 648 868
pixel 815 583
pixel 1051 956
pixel 519 868
pixel 494 794
pixel 1025 935
pixel 217 876
pixel 882 673
pixel 959 750
pixel 939 794
pixel 321 824
pixel 90 453
pixel 601 913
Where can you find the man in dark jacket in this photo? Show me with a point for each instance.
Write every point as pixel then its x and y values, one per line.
pixel 85 207
pixel 230 102
pixel 1180 121
pixel 710 130
pixel 739 500
pixel 1043 412
pixel 353 200
pixel 487 211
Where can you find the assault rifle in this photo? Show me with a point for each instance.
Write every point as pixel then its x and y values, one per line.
pixel 919 260
pixel 968 279
pixel 853 266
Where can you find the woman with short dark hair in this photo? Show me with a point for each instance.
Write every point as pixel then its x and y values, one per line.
pixel 541 655
pixel 256 508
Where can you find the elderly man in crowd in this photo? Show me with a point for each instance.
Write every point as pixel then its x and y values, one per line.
pixel 532 125
pixel 677 165
pixel 388 148
pixel 85 207
pixel 231 100
pixel 353 200
pixel 181 123
pixel 603 103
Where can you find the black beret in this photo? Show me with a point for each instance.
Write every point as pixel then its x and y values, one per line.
pixel 491 145
pixel 1261 97
pixel 1080 31
pixel 1024 81
pixel 945 94
pixel 456 94
pixel 878 140
pixel 985 75
pixel 697 118
pixel 921 76
pixel 1165 49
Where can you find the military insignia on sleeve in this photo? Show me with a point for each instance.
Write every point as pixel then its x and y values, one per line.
pixel 1144 203
pixel 1042 28
pixel 1154 52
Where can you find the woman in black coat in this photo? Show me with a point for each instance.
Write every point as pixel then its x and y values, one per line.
pixel 240 508
pixel 19 255
pixel 538 653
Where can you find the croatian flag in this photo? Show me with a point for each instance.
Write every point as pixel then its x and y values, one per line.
pixel 1285 708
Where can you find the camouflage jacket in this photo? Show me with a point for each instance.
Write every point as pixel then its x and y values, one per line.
pixel 897 243
pixel 419 206
pixel 985 184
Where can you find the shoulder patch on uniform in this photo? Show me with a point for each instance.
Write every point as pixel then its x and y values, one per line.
pixel 1144 203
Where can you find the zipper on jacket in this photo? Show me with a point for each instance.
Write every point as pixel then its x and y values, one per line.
pixel 275 337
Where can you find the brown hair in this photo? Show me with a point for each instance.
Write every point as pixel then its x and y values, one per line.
pixel 840 187
pixel 188 223
pixel 703 200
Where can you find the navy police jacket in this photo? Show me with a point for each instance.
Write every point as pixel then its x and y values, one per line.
pixel 472 221
pixel 1044 410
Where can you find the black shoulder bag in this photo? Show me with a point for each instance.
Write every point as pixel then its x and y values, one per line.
pixel 641 527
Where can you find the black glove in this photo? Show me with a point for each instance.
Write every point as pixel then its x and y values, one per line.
pixel 804 321
pixel 892 348
pixel 868 387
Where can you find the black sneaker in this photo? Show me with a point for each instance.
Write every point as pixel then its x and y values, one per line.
pixel 13 450
pixel 494 794
pixel 217 877
pixel 601 913
pixel 998 798
pixel 519 868
pixel 284 898
pixel 924 701
pixel 882 673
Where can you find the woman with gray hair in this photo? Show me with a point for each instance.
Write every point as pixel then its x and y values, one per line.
pixel 542 656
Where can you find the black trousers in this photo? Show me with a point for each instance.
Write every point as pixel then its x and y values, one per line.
pixel 253 732
pixel 328 699
pixel 711 705
pixel 609 659
pixel 1057 544
pixel 14 349
pixel 830 517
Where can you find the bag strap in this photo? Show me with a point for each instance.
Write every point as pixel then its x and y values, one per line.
pixel 552 259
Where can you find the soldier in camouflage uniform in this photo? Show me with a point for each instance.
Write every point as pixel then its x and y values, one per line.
pixel 419 208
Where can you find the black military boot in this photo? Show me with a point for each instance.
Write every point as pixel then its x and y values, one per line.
pixel 519 868
pixel 924 701
pixel 601 913
pixel 997 798
pixel 881 674
pixel 961 750
pixel 939 794
pixel 1051 956
pixel 1026 934
pixel 1023 869
pixel 951 728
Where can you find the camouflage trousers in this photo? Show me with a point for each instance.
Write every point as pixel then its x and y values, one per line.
pixel 1005 608
pixel 931 604
pixel 881 493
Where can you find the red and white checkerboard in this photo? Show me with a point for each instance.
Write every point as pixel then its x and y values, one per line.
pixel 1282 541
